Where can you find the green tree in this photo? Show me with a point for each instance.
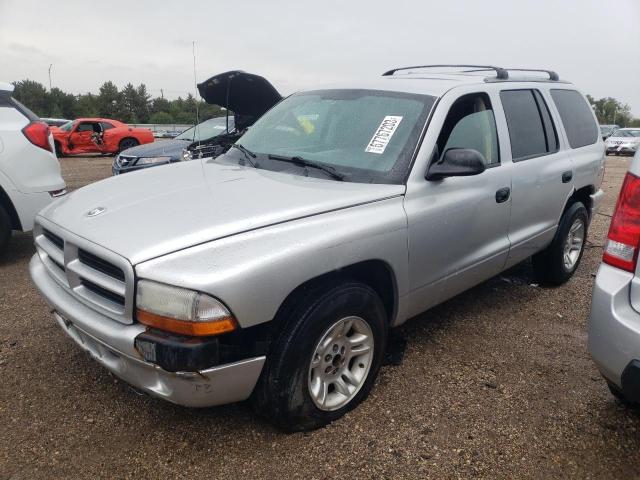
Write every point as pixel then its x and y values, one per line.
pixel 160 105
pixel 610 111
pixel 143 100
pixel 128 104
pixel 160 117
pixel 109 101
pixel 33 95
pixel 86 106
pixel 61 104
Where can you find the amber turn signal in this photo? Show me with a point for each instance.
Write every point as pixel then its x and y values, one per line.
pixel 197 329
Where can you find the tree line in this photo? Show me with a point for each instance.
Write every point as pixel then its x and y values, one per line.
pixel 135 105
pixel 130 105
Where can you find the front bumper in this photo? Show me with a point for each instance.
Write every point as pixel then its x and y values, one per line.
pixel 111 344
pixel 614 328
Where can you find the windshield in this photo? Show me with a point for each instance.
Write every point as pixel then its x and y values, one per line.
pixel 626 133
pixel 366 135
pixel 207 129
pixel 67 126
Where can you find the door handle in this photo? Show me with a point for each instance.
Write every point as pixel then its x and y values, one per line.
pixel 567 176
pixel 503 194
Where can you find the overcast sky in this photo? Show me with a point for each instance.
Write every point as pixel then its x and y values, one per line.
pixel 299 44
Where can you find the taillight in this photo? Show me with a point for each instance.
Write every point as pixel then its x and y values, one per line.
pixel 38 134
pixel 623 241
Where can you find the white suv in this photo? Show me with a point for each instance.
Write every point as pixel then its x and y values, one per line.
pixel 29 170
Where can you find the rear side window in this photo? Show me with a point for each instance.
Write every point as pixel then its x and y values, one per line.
pixel 6 100
pixel 576 116
pixel 531 128
pixel 106 126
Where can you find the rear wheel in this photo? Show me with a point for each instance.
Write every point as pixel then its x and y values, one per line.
pixel 558 262
pixel 127 143
pixel 58 149
pixel 326 358
pixel 5 230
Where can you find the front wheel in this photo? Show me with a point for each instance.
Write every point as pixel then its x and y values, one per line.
pixel 559 261
pixel 326 358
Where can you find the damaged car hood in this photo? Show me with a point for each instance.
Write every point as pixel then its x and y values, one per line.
pixel 147 214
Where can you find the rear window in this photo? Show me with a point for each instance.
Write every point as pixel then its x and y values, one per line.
pixel 576 116
pixel 7 101
pixel 531 129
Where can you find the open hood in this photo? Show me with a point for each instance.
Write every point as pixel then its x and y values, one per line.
pixel 242 93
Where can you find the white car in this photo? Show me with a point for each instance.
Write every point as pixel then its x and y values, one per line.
pixel 29 170
pixel 623 141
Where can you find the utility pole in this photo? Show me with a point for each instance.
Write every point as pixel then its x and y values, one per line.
pixel 50 65
pixel 162 94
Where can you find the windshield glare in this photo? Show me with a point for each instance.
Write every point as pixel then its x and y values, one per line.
pixel 67 126
pixel 367 135
pixel 207 129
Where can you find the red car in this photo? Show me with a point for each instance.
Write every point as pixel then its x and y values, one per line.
pixel 97 135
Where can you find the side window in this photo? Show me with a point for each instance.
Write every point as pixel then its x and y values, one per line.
pixel 85 127
pixel 576 116
pixel 4 100
pixel 531 128
pixel 470 123
pixel 106 126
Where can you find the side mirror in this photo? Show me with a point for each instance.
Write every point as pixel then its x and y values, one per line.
pixel 457 162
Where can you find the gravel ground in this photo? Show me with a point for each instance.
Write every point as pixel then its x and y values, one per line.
pixel 496 383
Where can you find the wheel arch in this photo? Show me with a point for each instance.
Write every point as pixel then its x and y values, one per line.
pixel 376 274
pixel 583 195
pixel 7 204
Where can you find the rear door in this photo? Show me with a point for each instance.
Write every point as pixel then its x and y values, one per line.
pixel 541 174
pixel 582 136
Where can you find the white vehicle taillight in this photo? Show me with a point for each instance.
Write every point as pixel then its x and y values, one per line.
pixel 623 241
pixel 38 133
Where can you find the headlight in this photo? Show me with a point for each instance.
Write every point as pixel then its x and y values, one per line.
pixel 182 311
pixel 186 155
pixel 152 160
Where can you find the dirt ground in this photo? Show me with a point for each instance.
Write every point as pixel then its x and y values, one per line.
pixel 496 383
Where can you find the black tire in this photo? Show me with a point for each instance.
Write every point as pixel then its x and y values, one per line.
pixel 127 143
pixel 616 392
pixel 549 265
pixel 283 394
pixel 58 149
pixel 5 230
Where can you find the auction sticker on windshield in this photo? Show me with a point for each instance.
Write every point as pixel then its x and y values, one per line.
pixel 382 137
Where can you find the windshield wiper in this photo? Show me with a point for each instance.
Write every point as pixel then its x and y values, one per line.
pixel 249 155
pixel 303 162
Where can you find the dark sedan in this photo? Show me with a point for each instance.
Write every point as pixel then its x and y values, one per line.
pixel 169 151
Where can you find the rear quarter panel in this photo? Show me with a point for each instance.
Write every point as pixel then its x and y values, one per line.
pixel 254 272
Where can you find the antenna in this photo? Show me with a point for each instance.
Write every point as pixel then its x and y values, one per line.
pixel 195 85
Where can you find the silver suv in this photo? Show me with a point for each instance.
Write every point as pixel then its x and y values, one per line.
pixel 276 270
pixel 614 323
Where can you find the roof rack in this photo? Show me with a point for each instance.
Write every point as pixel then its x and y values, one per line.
pixel 501 73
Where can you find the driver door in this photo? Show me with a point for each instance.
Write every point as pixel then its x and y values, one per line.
pixel 458 226
pixel 81 139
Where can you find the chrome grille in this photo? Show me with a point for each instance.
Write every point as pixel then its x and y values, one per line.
pixel 96 276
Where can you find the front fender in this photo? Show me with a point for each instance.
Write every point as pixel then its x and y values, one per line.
pixel 254 272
